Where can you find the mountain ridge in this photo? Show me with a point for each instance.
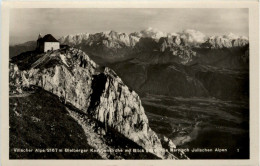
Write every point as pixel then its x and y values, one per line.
pixel 189 36
pixel 113 45
pixel 72 76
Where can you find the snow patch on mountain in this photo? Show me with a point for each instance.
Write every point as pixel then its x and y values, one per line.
pixel 232 36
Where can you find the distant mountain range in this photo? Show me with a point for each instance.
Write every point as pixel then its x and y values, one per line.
pixel 120 42
pixel 188 62
pixel 186 37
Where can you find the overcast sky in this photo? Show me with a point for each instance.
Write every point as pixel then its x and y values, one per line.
pixel 26 24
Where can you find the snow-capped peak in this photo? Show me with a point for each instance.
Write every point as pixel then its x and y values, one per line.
pixel 232 36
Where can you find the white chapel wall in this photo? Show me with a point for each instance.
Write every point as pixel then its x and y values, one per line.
pixel 51 45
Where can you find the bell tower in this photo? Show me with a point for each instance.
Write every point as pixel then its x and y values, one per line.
pixel 40 36
pixel 38 41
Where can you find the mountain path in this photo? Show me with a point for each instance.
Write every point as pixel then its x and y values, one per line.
pixel 94 139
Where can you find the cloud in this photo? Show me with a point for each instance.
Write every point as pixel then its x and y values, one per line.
pixel 193 36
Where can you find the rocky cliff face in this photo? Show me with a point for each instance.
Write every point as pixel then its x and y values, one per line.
pixel 78 81
pixel 51 72
pixel 120 108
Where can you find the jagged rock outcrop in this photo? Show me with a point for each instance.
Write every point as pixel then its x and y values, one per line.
pixel 68 77
pixel 120 108
pixel 77 80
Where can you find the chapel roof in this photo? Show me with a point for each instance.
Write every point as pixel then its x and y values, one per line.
pixel 48 38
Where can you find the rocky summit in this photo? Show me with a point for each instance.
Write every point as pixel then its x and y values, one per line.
pixel 91 92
